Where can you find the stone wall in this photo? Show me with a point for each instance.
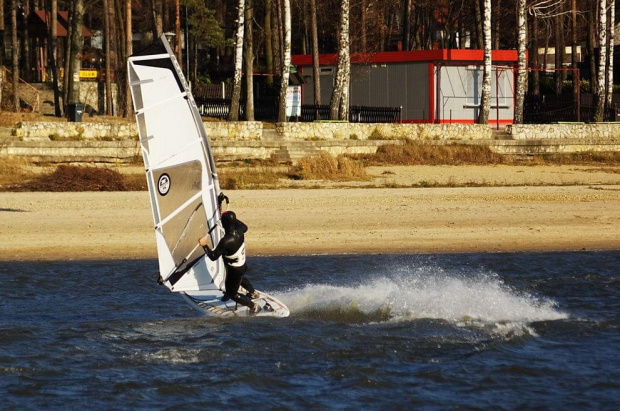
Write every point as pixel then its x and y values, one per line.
pixel 357 131
pixel 605 131
pixel 45 131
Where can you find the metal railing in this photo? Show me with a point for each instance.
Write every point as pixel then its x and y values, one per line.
pixel 34 103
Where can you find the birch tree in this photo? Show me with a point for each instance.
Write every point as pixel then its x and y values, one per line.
pixel 233 115
pixel 248 59
pixel 602 62
pixel 485 99
pixel 286 60
pixel 522 63
pixel 339 104
pixel 610 47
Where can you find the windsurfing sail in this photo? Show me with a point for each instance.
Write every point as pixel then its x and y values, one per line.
pixel 180 170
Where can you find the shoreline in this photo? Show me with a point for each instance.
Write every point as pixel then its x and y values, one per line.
pixel 94 226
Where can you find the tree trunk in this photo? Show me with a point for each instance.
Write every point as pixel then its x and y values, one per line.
pixel 315 55
pixel 107 38
pixel 77 40
pixel 15 54
pixel 574 48
pixel 128 51
pixel 535 56
pixel 407 25
pixel 479 24
pixel 268 41
pixel 363 22
pixel 592 45
pixel 1 48
pixel 339 104
pixel 496 33
pixel 522 63
pixel 485 99
pixel 233 115
pixel 177 31
pixel 602 62
pixel 158 22
pixel 286 60
pixel 248 58
pixel 610 57
pixel 558 54
pixel 52 56
pixel 67 63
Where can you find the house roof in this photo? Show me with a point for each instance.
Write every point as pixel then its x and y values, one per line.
pixel 452 55
pixel 39 19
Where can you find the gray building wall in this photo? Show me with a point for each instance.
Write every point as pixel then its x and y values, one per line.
pixel 461 89
pixel 406 85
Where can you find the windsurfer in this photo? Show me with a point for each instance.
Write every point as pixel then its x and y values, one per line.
pixel 232 248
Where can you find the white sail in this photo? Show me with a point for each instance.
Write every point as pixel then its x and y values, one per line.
pixel 180 170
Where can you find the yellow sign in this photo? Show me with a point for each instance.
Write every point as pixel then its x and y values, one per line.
pixel 89 74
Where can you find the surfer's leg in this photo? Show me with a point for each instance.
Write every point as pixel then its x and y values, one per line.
pixel 234 278
pixel 247 285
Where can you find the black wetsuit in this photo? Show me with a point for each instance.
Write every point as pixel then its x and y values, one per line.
pixel 232 248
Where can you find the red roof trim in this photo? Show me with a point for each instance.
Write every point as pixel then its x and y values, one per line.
pixel 455 55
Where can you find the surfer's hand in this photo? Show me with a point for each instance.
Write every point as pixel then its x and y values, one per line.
pixel 203 241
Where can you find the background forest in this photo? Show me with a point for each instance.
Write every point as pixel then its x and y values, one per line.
pixel 214 36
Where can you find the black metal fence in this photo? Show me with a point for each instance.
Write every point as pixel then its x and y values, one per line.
pixel 266 109
pixel 554 108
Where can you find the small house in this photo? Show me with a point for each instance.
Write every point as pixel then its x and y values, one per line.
pixel 431 86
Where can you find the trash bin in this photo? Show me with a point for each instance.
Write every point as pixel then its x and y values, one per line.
pixel 74 112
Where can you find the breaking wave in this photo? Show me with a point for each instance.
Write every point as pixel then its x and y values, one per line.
pixel 480 299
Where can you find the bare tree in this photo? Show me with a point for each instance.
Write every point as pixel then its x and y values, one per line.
pixel 268 41
pixel 248 58
pixel 522 63
pixel 574 48
pixel 315 54
pixel 15 53
pixel 77 40
pixel 602 62
pixel 108 69
pixel 128 51
pixel 52 53
pixel 157 8
pixel 177 31
pixel 1 48
pixel 233 115
pixel 286 59
pixel 485 99
pixel 339 104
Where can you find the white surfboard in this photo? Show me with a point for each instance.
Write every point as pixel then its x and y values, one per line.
pixel 182 181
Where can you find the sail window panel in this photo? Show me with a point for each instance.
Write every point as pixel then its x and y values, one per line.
pixel 183 231
pixel 142 131
pixel 175 185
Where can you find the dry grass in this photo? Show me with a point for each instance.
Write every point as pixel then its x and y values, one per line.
pixel 249 178
pixel 412 153
pixel 326 167
pixel 14 170
pixel 75 178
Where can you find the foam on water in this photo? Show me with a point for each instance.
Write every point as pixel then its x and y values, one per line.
pixel 465 299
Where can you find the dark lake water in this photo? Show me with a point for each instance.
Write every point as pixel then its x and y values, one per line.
pixel 384 332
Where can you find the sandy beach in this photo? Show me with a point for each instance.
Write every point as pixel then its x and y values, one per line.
pixel 118 225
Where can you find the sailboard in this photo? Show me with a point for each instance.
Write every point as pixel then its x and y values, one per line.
pixel 183 184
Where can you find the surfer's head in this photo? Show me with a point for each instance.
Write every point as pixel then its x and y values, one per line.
pixel 228 220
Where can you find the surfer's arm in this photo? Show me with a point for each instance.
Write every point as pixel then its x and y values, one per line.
pixel 212 254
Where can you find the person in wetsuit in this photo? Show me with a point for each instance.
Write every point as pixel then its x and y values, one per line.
pixel 232 248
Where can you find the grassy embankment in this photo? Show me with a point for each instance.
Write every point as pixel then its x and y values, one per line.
pixel 18 175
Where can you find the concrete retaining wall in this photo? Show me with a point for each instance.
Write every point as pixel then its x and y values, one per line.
pixel 604 131
pixel 117 142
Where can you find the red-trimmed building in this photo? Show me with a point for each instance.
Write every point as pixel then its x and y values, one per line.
pixel 431 86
